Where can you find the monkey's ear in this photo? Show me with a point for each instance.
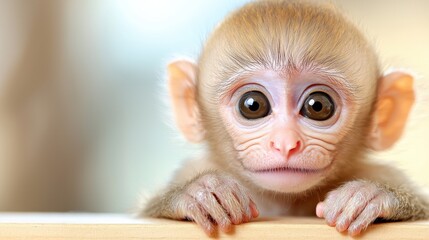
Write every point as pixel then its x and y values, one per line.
pixel 182 76
pixel 395 99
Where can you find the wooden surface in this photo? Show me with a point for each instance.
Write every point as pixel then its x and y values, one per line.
pixel 117 226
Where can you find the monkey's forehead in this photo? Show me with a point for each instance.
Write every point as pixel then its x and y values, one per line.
pixel 289 35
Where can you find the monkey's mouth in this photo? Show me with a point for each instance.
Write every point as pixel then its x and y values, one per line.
pixel 290 170
pixel 288 179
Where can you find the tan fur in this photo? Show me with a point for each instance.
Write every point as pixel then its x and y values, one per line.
pixel 291 37
pixel 270 34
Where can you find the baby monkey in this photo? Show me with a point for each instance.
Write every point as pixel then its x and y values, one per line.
pixel 289 98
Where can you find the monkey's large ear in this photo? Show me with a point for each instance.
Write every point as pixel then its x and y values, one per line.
pixel 395 99
pixel 182 87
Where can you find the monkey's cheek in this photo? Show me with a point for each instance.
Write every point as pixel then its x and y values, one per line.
pixel 287 181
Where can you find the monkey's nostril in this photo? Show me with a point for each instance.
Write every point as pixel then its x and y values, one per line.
pixel 286 149
pixel 294 150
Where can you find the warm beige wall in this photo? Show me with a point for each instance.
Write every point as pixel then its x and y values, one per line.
pixel 400 32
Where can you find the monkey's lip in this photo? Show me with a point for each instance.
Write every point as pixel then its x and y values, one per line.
pixel 288 178
pixel 291 170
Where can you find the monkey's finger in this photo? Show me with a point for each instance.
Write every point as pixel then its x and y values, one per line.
pixel 254 209
pixel 231 205
pixel 196 213
pixel 371 211
pixel 320 209
pixel 337 201
pixel 222 189
pixel 243 196
pixel 331 211
pixel 213 207
pixel 354 207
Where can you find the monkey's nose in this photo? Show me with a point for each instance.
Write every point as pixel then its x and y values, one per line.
pixel 287 143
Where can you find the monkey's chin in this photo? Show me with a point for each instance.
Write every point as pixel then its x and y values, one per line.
pixel 288 180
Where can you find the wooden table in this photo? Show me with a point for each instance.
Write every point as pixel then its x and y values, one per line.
pixel 121 226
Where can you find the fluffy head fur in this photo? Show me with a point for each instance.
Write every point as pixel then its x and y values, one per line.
pixel 288 37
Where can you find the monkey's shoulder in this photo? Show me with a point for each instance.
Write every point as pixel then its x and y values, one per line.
pixel 191 168
pixel 381 172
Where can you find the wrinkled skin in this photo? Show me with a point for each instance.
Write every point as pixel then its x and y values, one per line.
pixel 220 198
pixel 215 199
pixel 355 205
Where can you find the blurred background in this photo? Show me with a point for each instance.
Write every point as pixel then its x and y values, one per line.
pixel 83 120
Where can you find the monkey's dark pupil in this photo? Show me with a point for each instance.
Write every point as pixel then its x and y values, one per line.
pixel 252 104
pixel 317 106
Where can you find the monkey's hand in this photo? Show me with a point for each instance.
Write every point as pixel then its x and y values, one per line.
pixel 211 200
pixel 356 204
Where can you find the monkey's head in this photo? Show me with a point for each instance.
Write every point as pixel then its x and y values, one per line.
pixel 287 94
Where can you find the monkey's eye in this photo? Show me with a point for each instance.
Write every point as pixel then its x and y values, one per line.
pixel 318 106
pixel 254 105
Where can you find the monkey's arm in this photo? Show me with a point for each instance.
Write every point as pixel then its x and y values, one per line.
pixel 381 192
pixel 409 205
pixel 210 197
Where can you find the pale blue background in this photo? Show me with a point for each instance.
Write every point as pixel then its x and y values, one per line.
pixel 140 147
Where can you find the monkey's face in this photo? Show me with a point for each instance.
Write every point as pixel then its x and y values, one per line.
pixel 286 127
pixel 294 92
pixel 298 95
